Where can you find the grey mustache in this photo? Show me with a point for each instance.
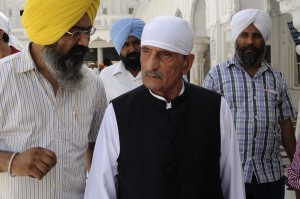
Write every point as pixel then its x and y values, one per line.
pixel 154 73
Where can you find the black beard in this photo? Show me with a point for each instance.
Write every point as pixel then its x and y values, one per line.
pixel 250 59
pixel 65 69
pixel 132 61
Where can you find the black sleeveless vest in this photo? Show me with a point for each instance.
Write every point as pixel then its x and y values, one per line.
pixel 169 154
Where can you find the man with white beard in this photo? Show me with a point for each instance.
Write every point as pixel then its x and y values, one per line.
pixel 50 106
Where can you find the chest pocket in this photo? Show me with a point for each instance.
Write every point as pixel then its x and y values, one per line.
pixel 77 128
pixel 273 98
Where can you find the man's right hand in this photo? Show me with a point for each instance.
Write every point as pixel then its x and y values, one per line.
pixel 34 162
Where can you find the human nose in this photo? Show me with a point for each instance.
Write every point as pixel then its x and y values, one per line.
pixel 132 48
pixel 250 40
pixel 84 39
pixel 151 63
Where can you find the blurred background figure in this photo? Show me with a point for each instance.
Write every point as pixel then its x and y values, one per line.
pixel 101 67
pixel 8 43
pixel 93 67
pixel 107 62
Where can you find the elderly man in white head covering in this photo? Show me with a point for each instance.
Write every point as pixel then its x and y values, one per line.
pixel 153 139
pixel 9 44
pixel 260 102
pixel 125 75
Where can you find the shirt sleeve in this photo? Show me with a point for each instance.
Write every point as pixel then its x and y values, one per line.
pixel 231 173
pixel 101 105
pixel 209 82
pixel 285 104
pixel 101 180
pixel 294 169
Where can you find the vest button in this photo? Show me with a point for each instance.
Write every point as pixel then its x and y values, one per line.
pixel 169 169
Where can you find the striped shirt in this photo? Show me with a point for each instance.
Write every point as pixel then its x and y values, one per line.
pixel 31 115
pixel 294 168
pixel 257 104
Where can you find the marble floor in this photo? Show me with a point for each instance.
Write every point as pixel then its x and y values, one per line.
pixel 289 195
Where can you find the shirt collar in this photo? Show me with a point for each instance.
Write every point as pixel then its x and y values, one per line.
pixel 25 55
pixel 234 62
pixel 120 69
pixel 168 104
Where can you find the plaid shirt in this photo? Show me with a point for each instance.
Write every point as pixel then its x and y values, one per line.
pixel 257 104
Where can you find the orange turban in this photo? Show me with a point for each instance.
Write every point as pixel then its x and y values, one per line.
pixel 46 21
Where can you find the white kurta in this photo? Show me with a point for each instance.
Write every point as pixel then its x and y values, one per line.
pixel 101 180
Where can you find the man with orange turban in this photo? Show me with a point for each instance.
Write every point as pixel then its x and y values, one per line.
pixel 50 106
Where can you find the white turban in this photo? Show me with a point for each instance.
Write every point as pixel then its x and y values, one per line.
pixel 260 19
pixel 5 26
pixel 170 33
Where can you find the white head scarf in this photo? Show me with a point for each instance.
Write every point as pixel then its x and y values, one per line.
pixel 261 20
pixel 5 26
pixel 170 33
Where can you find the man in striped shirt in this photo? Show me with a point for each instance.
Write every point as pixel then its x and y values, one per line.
pixel 261 105
pixel 50 106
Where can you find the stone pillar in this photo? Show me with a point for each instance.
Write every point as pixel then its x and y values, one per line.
pixel 293 8
pixel 202 60
pixel 100 55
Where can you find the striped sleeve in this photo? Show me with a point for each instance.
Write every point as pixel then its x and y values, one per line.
pixel 294 169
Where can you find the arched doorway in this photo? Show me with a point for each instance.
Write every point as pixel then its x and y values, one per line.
pixel 202 43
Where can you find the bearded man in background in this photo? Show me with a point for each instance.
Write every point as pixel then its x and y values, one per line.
pixel 259 99
pixel 124 76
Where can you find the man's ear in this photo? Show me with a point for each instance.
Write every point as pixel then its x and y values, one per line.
pixel 189 60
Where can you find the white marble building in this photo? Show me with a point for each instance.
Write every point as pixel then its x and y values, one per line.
pixel 210 20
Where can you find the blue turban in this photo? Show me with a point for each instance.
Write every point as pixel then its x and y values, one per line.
pixel 123 28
